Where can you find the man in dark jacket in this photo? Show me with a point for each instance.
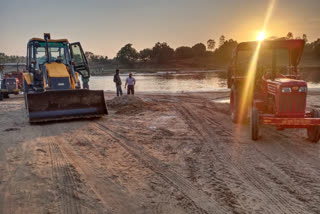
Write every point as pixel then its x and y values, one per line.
pixel 117 81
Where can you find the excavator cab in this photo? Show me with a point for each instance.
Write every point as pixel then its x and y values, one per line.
pixel 51 82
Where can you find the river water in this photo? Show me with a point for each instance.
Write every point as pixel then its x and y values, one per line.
pixel 196 81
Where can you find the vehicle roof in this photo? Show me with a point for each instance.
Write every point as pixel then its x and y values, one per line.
pixel 49 40
pixel 273 44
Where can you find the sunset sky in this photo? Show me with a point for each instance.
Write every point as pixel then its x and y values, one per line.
pixel 104 26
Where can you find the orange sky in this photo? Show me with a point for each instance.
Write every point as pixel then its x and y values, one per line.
pixel 103 27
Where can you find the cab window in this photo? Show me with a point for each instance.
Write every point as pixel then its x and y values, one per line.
pixel 56 53
pixel 77 55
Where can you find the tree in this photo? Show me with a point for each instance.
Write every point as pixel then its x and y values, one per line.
pixel 145 54
pixel 316 47
pixel 162 53
pixel 221 40
pixel 199 49
pixel 184 52
pixel 223 54
pixel 96 59
pixel 11 59
pixel 89 55
pixel 127 55
pixel 211 44
pixel 304 37
pixel 290 35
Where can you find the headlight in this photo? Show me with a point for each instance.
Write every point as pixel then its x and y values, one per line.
pixel 303 89
pixel 286 90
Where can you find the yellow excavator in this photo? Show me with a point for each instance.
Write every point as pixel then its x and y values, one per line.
pixel 51 84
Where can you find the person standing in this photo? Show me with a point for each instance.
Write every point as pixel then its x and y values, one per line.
pixel 130 81
pixel 85 82
pixel 117 81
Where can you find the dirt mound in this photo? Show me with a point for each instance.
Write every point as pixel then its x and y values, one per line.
pixel 125 100
pixel 127 104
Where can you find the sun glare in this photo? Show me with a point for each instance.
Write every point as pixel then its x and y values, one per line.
pixel 250 80
pixel 261 36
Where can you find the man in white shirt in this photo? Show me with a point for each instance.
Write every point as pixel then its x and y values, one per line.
pixel 130 81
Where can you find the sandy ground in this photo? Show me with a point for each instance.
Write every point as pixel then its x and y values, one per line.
pixel 165 153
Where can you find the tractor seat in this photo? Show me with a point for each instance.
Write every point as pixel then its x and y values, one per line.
pixel 267 75
pixel 59 59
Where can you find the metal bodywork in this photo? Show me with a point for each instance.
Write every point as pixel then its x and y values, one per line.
pixel 277 99
pixel 53 105
pixel 52 86
pixel 9 86
pixel 13 70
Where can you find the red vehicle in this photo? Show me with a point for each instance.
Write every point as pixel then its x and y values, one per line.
pixel 17 75
pixel 13 70
pixel 270 90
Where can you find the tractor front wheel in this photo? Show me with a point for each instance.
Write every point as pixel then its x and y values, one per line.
pixel 254 124
pixel 314 131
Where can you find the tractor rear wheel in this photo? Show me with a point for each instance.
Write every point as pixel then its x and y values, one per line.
pixel 234 105
pixel 254 124
pixel 314 131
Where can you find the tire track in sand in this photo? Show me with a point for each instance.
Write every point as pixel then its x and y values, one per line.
pixel 302 184
pixel 109 193
pixel 207 131
pixel 198 200
pixel 64 180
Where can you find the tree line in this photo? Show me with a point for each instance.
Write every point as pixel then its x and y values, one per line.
pixel 161 55
pixel 210 55
pixel 206 56
pixel 11 59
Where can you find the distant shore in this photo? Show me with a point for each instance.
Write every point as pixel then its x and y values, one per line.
pixel 107 72
pixel 110 71
pixel 158 71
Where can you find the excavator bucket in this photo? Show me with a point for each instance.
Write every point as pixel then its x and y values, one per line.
pixel 65 105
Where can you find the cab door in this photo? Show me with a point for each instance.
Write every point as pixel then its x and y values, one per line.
pixel 80 61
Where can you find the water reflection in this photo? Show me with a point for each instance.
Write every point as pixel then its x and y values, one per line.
pixel 187 82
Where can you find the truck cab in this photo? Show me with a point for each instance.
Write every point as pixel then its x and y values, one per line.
pixel 9 86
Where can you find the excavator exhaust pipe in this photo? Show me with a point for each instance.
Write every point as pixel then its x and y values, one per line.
pixel 65 105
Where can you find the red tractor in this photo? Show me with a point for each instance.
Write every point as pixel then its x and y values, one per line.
pixel 265 84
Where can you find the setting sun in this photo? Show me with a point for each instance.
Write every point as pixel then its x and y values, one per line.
pixel 261 36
